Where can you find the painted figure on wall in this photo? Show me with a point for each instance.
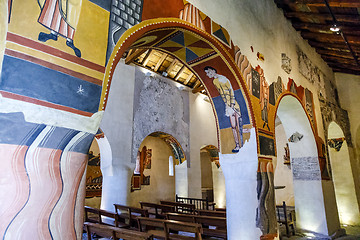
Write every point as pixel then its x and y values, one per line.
pixel 232 108
pixel 264 99
pixel 61 18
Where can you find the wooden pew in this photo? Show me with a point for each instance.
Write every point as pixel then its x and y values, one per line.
pixel 169 229
pixel 180 207
pixel 212 226
pixel 157 210
pixel 131 213
pixel 199 203
pixel 100 216
pixel 114 232
pixel 211 213
pixel 286 217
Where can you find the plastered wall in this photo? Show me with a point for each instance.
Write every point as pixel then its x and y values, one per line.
pixel 162 186
pixel 283 173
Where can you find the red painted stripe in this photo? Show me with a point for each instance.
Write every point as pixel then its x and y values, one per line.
pixel 43 103
pixel 53 51
pixel 53 66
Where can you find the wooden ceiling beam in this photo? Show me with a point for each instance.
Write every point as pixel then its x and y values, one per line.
pixel 323 37
pixel 160 62
pixel 133 54
pixel 343 67
pixel 333 46
pixel 171 66
pixel 332 3
pixel 340 54
pixel 188 78
pixel 146 58
pixel 323 16
pixel 315 27
pixel 198 89
pixel 178 74
pixel 320 3
pixel 344 70
pixel 345 61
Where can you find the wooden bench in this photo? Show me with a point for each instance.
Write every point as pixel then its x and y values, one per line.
pixel 100 216
pixel 212 226
pixel 157 210
pixel 199 203
pixel 114 232
pixel 169 229
pixel 180 207
pixel 286 217
pixel 211 213
pixel 131 213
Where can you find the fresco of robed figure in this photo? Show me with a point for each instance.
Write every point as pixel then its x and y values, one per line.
pixel 61 18
pixel 232 108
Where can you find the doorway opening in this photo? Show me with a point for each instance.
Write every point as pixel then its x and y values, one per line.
pixel 156 176
pixel 304 163
pixel 212 176
pixel 346 200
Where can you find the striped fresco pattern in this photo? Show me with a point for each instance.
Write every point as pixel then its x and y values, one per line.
pixel 41 173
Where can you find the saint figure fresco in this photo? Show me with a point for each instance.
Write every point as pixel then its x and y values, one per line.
pixel 232 108
pixel 61 18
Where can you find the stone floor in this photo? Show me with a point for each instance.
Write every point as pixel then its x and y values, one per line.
pixel 352 233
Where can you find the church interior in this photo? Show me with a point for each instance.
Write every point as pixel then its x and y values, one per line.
pixel 155 119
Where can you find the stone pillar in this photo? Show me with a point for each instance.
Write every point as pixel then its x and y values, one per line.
pixel 240 171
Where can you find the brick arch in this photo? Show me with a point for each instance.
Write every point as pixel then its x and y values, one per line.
pixel 196 49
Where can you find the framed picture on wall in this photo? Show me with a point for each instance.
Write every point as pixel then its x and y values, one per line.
pixel 136 182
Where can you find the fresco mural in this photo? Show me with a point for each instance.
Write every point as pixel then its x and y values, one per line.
pixel 60 20
pixel 174 145
pixel 53 77
pixel 232 107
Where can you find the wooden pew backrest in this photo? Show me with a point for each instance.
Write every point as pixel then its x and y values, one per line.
pixel 114 232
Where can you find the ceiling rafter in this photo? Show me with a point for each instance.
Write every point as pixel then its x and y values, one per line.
pixel 323 16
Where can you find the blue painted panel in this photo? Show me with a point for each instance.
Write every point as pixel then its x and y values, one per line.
pixel 15 130
pixel 224 121
pixel 35 81
pixel 58 138
pixel 84 145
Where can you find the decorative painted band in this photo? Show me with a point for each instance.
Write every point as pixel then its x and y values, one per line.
pixel 31 80
pixel 16 131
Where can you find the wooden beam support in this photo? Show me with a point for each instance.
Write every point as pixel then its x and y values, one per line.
pixel 171 66
pixel 323 16
pixel 333 46
pixel 177 76
pixel 133 54
pixel 160 62
pixel 188 78
pixel 320 3
pixel 146 58
pixel 322 28
pixel 340 54
pixel 337 60
pixel 336 38
pixel 198 89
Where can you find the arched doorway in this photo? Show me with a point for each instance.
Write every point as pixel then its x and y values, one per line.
pixel 200 52
pixel 212 176
pixel 346 200
pixel 154 178
pixel 309 190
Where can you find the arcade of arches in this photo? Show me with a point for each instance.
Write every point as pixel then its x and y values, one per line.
pixel 192 99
